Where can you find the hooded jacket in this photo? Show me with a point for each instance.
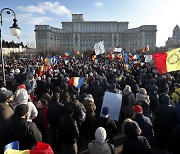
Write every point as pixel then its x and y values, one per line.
pixel 128 109
pixel 21 97
pixel 164 115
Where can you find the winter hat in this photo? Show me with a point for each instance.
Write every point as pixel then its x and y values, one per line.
pixel 21 96
pixel 100 134
pixel 89 98
pixel 127 87
pixel 5 94
pixel 21 110
pixel 137 109
pixel 17 71
pixel 22 86
pixel 143 91
pixel 105 112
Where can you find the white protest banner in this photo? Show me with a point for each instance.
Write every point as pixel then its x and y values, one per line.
pixel 117 49
pixel 148 58
pixel 113 102
pixel 99 48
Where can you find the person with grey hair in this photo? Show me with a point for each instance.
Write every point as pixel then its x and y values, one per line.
pixel 134 143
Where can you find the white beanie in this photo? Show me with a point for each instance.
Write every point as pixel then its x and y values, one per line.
pixel 21 96
pixel 17 71
pixel 100 134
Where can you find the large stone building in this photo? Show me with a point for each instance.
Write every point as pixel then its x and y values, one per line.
pixel 82 35
pixel 174 41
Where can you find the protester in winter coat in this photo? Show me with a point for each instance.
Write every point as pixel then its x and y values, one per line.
pixel 127 110
pixel 173 143
pixel 100 145
pixel 97 93
pixel 22 130
pixel 154 97
pixel 107 123
pixel 79 113
pixel 21 97
pixel 163 120
pixel 134 143
pixel 142 94
pixel 55 112
pixel 144 123
pixel 90 107
pixel 69 132
pixel 84 88
pixel 42 119
pixel 6 112
pixel 47 95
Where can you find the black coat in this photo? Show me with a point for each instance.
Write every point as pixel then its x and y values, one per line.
pixel 173 143
pixel 23 131
pixel 68 129
pixel 55 112
pixel 108 124
pixel 137 145
pixel 146 127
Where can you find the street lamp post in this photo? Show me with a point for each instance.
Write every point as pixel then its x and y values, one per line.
pixel 15 30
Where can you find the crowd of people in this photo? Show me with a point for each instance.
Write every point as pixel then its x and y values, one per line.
pixel 31 104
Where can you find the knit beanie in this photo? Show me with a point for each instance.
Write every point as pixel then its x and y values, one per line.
pixel 21 110
pixel 100 134
pixel 5 94
pixel 137 109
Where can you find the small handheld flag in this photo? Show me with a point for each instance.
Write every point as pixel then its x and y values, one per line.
pixel 76 82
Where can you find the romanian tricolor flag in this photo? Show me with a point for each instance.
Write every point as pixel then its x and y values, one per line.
pixel 41 70
pixel 119 57
pixel 167 61
pixel 41 148
pixel 67 53
pixel 76 82
pixel 112 56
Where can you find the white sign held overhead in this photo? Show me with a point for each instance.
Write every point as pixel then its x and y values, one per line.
pixel 99 48
pixel 113 102
pixel 148 58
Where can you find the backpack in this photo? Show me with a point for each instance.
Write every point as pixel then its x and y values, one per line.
pixel 125 99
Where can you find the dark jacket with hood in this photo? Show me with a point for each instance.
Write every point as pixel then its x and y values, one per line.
pixel 146 127
pixel 23 131
pixel 97 92
pixel 173 143
pixel 164 116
